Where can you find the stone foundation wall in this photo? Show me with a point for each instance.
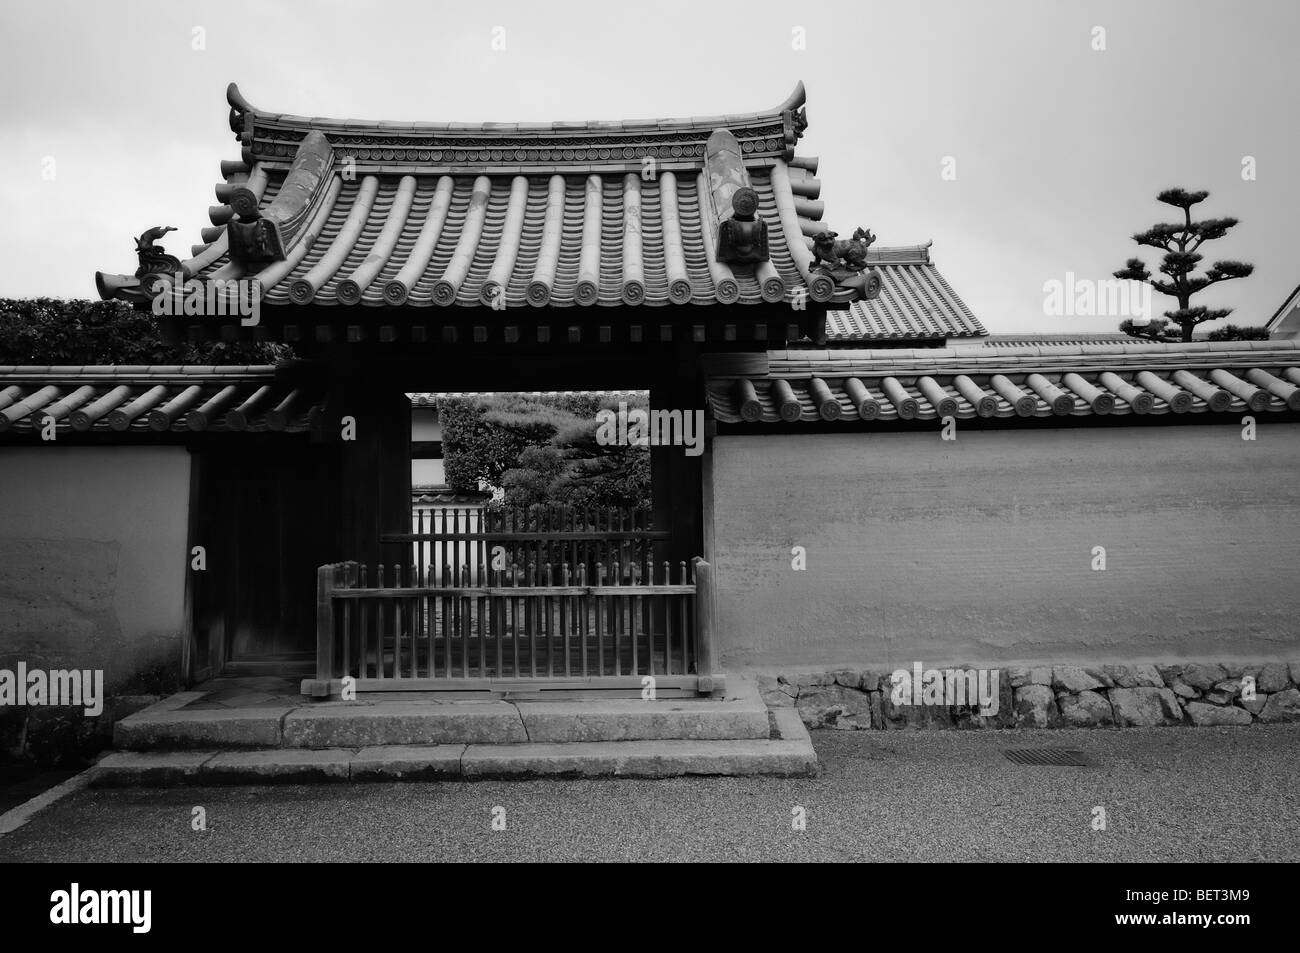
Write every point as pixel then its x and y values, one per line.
pixel 1062 696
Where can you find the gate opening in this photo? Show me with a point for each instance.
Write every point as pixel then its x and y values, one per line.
pixel 535 558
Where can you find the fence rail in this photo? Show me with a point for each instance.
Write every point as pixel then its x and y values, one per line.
pixel 470 537
pixel 423 628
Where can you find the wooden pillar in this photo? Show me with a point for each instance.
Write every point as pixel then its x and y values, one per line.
pixel 676 477
pixel 206 593
pixel 706 629
pixel 368 421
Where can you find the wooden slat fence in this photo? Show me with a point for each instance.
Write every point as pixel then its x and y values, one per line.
pixel 412 627
pixel 499 537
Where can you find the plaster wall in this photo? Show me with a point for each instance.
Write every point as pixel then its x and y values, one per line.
pixel 93 558
pixel 980 550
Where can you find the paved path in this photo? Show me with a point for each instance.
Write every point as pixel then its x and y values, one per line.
pixel 1189 794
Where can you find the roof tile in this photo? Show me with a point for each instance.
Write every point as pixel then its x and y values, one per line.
pixel 1098 379
pixel 86 399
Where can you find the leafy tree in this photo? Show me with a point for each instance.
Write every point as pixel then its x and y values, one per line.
pixel 1180 243
pixel 1231 332
pixel 52 331
pixel 474 450
pixel 1157 329
pixel 42 331
pixel 542 449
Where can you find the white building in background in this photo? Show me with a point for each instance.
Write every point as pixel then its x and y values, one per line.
pixel 1285 322
pixel 436 509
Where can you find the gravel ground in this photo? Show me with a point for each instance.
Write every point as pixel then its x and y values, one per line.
pixel 1202 794
pixel 22 782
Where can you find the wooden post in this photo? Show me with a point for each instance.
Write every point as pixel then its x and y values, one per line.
pixel 349 582
pixel 705 628
pixel 319 687
pixel 676 477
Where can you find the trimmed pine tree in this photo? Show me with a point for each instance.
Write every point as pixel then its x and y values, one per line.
pixel 1180 243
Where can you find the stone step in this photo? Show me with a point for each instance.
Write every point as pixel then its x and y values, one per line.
pixel 789 754
pixel 429 720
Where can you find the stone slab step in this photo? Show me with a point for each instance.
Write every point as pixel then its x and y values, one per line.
pixel 788 754
pixel 435 721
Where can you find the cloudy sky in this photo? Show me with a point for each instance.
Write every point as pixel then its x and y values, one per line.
pixel 1059 148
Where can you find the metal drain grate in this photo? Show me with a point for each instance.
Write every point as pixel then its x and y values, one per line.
pixel 1061 756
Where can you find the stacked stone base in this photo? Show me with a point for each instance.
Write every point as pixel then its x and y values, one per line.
pixel 1060 696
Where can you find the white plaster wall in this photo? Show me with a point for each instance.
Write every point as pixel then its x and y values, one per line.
pixel 979 550
pixel 428 472
pixel 93 556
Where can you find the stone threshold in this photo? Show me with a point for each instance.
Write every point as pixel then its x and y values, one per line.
pixel 787 751
pixel 431 719
pixel 1053 696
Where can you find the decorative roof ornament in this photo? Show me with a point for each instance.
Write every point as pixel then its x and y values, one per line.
pixel 799 120
pixel 239 108
pixel 742 238
pixel 255 241
pixel 846 261
pixel 156 266
pixel 850 255
pixel 265 235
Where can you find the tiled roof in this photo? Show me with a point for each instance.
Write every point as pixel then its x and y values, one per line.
pixel 915 302
pixel 1037 381
pixel 519 214
pixel 1058 339
pixel 141 399
pixel 431 400
pixel 515 146
pixel 443 495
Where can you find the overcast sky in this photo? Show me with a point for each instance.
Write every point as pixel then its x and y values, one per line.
pixel 1059 149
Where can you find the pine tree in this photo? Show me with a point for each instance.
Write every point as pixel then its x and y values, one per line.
pixel 543 449
pixel 1180 243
